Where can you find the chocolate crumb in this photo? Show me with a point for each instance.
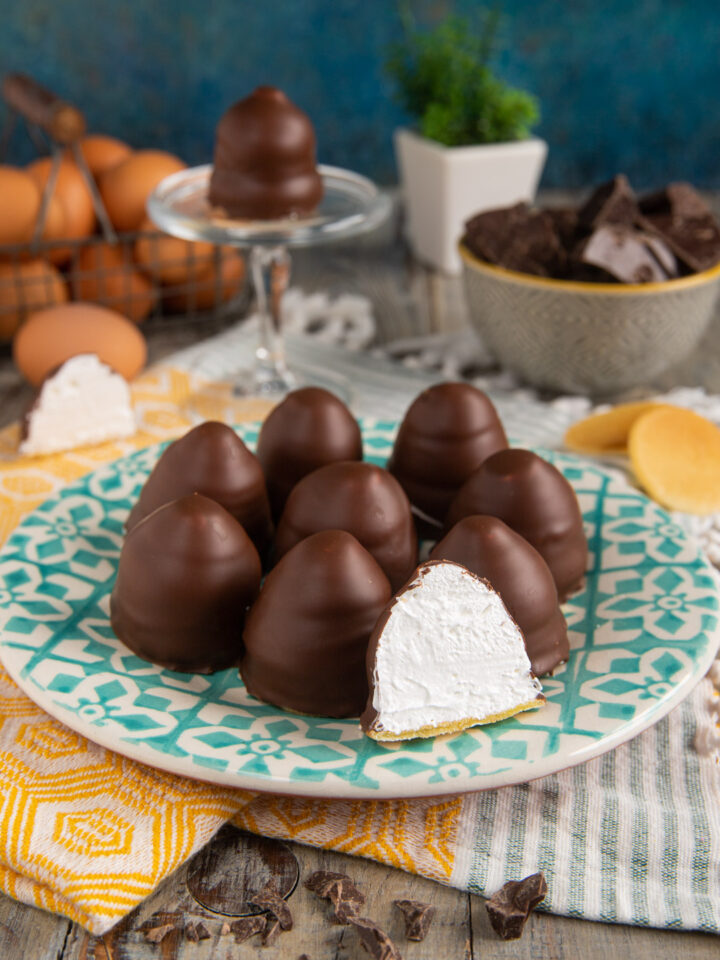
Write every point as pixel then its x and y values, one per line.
pixel 377 943
pixel 268 898
pixel 513 903
pixel 418 917
pixel 247 927
pixel 225 929
pixel 157 934
pixel 271 931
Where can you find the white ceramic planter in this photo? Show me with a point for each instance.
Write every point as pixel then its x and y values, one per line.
pixel 444 186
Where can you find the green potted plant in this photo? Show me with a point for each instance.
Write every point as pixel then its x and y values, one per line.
pixel 471 149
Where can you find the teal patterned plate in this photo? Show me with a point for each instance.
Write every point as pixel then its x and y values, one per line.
pixel 642 632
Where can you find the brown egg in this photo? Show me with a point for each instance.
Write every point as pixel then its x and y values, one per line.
pixel 72 191
pixel 50 337
pixel 20 201
pixel 169 259
pixel 20 204
pixel 126 187
pixel 24 288
pixel 105 273
pixel 213 286
pixel 101 153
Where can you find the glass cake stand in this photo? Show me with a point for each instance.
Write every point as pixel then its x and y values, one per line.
pixel 351 205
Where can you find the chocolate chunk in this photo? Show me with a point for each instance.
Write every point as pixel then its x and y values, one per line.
pixel 513 903
pixel 321 881
pixel 611 202
pixel 516 238
pixel 271 931
pixel 624 254
pixel 680 216
pixel 418 917
pixel 197 932
pixel 339 889
pixel 695 243
pixel 565 222
pixel 247 927
pixel 270 900
pixel 377 943
pixel 678 200
pixel 346 900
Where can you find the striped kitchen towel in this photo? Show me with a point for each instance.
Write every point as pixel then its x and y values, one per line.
pixel 631 837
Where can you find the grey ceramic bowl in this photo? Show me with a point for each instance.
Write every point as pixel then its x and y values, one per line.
pixel 586 337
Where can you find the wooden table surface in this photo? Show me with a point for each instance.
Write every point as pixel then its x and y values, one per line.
pixel 408 300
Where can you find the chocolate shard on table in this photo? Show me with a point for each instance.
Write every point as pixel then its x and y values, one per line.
pixel 627 255
pixel 340 890
pixel 362 499
pixel 681 218
pixel 309 429
pixel 516 238
pixel 186 576
pixel 264 163
pixel 375 941
pixel 514 568
pixel 510 907
pixel 268 898
pixel 195 932
pixel 534 498
pixel 306 636
pixel 445 655
pixel 418 918
pixel 211 459
pixel 83 402
pixel 321 882
pixel 247 927
pixel 611 202
pixel 447 432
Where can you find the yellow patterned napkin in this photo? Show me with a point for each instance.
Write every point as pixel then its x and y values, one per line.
pixel 88 833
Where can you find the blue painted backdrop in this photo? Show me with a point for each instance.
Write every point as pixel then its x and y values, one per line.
pixel 625 85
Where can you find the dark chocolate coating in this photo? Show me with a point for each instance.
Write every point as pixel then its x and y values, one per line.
pixel 187 574
pixel 307 634
pixel 264 164
pixel 534 498
pixel 447 432
pixel 309 429
pixel 362 499
pixel 515 570
pixel 211 459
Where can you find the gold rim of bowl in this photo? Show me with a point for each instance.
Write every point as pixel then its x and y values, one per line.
pixel 583 286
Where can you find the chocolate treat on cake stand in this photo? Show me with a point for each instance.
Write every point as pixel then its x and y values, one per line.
pixel 264 165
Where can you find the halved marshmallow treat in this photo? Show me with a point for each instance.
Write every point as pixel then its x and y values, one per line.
pixel 445 655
